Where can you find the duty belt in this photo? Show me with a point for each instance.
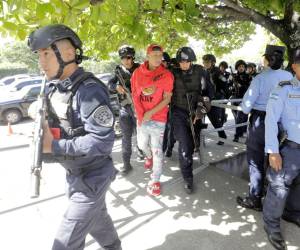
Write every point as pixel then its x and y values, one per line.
pixel 292 144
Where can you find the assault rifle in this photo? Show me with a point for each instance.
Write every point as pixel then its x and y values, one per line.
pixel 128 98
pixel 37 142
pixel 189 97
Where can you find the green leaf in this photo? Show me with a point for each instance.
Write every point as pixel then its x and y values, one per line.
pixel 114 29
pixel 80 4
pixel 155 4
pixel 22 34
pixel 10 26
pixel 43 9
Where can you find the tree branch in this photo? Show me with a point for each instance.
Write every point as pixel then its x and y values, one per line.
pixel 95 2
pixel 288 11
pixel 237 12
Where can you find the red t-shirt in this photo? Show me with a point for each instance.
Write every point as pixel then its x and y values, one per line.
pixel 148 88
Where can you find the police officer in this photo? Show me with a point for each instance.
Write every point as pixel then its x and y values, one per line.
pixel 225 77
pixel 79 108
pixel 190 79
pixel 283 108
pixel 255 102
pixel 121 82
pixel 241 82
pixel 216 115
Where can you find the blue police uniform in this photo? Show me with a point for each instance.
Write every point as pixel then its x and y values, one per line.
pixel 81 110
pixel 283 107
pixel 292 206
pixel 127 116
pixel 255 102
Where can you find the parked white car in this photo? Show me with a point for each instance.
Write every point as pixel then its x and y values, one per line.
pixel 5 81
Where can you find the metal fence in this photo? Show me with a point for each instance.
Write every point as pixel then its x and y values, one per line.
pixel 227 104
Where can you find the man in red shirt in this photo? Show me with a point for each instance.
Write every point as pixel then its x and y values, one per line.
pixel 152 86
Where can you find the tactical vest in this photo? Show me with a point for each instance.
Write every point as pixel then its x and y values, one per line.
pixel 60 106
pixel 187 82
pixel 125 76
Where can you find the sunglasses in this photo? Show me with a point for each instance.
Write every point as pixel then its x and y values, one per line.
pixel 126 57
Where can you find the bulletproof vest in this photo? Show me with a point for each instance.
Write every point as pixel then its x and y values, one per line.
pixel 61 105
pixel 124 76
pixel 187 82
pixel 244 80
pixel 221 82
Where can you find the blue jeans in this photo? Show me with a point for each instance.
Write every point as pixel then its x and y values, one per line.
pixel 150 136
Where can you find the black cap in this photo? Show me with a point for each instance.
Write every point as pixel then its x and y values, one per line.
pixel 271 49
pixel 296 58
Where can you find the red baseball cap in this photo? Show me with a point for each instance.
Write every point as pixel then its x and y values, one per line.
pixel 154 47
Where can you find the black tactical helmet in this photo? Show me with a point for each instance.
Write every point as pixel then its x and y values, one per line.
pixel 240 62
pixel 126 50
pixel 166 57
pixel 209 57
pixel 251 65
pixel 223 64
pixel 46 37
pixel 186 54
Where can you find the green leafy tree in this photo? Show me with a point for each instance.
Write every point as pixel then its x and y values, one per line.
pixel 104 25
pixel 18 53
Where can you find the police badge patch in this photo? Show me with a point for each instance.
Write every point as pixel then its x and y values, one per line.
pixel 103 116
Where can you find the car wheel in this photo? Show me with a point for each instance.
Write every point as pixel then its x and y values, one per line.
pixel 12 116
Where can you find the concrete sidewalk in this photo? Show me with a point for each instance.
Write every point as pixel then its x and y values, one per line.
pixel 209 219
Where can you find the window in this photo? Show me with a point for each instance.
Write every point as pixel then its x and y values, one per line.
pixel 27 83
pixel 34 92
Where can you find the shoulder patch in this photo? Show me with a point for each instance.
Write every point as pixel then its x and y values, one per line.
pixel 274 96
pixel 103 116
pixel 284 83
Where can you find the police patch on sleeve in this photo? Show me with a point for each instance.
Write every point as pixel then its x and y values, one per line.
pixel 274 96
pixel 103 116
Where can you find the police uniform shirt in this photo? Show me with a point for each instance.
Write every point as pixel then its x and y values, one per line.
pixel 284 107
pixel 257 95
pixel 91 108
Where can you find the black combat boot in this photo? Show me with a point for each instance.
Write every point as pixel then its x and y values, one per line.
pixel 188 186
pixel 125 169
pixel 168 153
pixel 236 138
pixel 287 218
pixel 276 240
pixel 250 202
